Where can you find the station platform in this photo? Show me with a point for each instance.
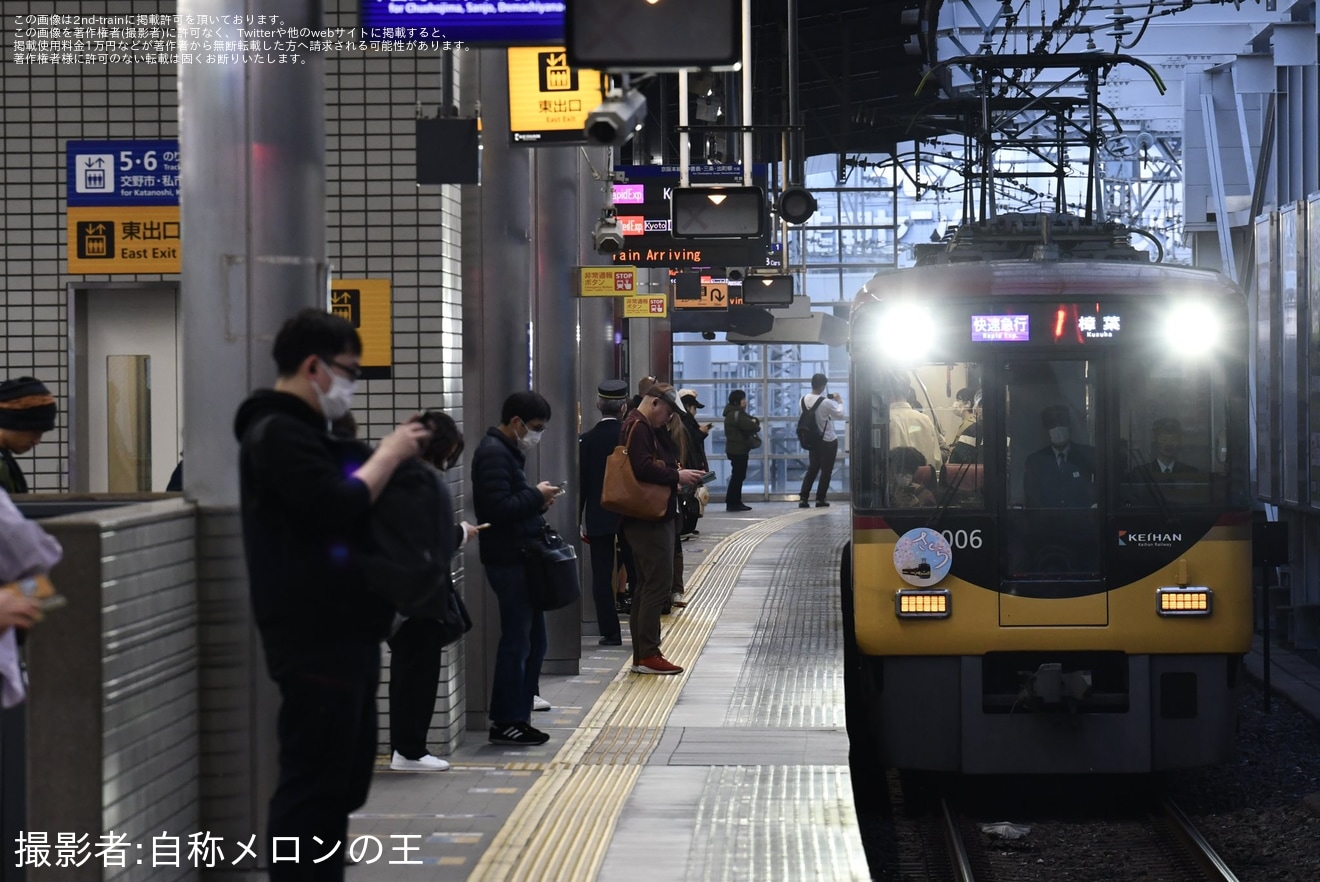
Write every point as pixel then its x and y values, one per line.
pixel 736 769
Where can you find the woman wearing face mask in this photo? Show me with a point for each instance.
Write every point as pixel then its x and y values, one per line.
pixel 416 503
pixel 504 498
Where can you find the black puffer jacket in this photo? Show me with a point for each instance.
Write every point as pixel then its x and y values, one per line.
pixel 503 497
pixel 304 517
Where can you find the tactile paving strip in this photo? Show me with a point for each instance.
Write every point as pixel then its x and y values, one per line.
pixel 562 828
pixel 793 676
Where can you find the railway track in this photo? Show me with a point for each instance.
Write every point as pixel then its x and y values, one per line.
pixel 938 836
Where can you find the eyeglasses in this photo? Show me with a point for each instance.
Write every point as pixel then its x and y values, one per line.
pixel 352 371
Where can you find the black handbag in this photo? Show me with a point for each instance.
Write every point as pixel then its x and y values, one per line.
pixel 551 568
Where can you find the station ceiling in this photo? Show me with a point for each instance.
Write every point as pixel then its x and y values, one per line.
pixel 860 63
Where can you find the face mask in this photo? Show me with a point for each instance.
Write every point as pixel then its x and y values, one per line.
pixel 1059 436
pixel 530 440
pixel 339 398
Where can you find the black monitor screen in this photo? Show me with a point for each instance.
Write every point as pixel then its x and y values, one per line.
pixel 530 23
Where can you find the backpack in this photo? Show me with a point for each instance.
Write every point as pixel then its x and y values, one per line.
pixel 406 558
pixel 808 430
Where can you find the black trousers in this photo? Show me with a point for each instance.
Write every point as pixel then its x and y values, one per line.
pixel 414 678
pixel 737 474
pixel 327 750
pixel 822 462
pixel 602 584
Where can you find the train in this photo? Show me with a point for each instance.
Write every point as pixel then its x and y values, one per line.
pixel 1049 568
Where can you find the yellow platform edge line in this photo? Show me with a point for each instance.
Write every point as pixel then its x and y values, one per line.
pixel 537 842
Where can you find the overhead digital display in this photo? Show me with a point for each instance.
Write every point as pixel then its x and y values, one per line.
pixel 641 197
pixel 506 23
pixel 1001 328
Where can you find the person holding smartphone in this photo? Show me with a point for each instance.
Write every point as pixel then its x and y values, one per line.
pixel 504 497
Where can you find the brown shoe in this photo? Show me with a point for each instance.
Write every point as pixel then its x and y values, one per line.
pixel 656 664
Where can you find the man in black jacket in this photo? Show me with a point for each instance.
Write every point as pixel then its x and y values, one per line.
pixel 303 512
pixel 503 498
pixel 600 526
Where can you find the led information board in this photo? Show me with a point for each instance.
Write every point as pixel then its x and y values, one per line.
pixel 641 200
pixel 503 23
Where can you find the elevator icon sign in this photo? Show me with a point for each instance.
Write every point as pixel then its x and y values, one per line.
pixel 94 173
pixel 95 240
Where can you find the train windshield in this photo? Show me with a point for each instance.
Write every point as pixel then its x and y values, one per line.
pixel 1051 446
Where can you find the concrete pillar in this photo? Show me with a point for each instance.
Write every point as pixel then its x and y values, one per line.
pixel 524 230
pixel 252 144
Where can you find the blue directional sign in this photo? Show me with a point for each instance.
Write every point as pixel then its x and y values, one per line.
pixel 122 173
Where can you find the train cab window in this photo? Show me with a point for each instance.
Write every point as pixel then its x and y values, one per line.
pixel 1176 447
pixel 918 442
pixel 1052 526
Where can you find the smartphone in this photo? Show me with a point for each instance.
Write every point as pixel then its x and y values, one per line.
pixel 562 490
pixel 54 601
pixel 483 526
pixel 708 477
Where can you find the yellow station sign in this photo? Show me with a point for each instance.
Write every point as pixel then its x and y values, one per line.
pixel 607 281
pixel 645 306
pixel 124 239
pixel 366 304
pixel 549 100
pixel 714 295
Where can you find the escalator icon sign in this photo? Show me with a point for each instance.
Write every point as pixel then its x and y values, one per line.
pixel 96 240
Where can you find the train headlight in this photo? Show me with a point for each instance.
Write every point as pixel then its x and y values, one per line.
pixel 922 604
pixel 1193 329
pixel 1190 601
pixel 904 331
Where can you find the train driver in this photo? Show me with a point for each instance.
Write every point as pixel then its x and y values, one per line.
pixel 1062 473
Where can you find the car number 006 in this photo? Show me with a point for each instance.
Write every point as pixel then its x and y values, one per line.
pixel 962 538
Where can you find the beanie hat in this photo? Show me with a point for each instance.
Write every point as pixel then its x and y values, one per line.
pixel 26 405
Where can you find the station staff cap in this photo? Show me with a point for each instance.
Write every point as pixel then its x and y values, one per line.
pixel 613 390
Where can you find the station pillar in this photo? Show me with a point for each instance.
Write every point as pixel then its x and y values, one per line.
pixel 252 166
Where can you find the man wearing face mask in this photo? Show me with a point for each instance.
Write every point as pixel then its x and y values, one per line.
pixel 1061 474
pixel 503 497
pixel 304 511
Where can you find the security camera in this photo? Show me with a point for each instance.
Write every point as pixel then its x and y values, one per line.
pixel 617 119
pixel 608 234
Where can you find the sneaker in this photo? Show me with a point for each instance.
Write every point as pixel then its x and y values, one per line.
pixel 819 505
pixel 804 505
pixel 519 734
pixel 425 763
pixel 656 664
pixel 540 704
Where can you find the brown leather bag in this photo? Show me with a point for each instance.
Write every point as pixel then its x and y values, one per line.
pixel 622 493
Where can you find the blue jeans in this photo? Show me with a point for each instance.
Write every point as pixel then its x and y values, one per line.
pixel 521 648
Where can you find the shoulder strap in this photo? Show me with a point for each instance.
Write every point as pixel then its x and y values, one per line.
pixel 814 406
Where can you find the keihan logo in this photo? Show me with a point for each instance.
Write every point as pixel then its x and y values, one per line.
pixel 1148 540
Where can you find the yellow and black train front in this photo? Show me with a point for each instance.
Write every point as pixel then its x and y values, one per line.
pixel 1050 563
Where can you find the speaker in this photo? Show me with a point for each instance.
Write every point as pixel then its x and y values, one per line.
pixel 646 35
pixel 448 151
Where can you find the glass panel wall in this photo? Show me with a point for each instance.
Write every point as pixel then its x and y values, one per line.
pixel 853 234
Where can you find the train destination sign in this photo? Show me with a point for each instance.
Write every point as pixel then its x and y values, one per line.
pixel 1001 328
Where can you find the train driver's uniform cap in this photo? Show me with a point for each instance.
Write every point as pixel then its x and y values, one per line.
pixel 613 390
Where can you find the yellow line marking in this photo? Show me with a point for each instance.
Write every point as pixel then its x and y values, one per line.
pixel 562 828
